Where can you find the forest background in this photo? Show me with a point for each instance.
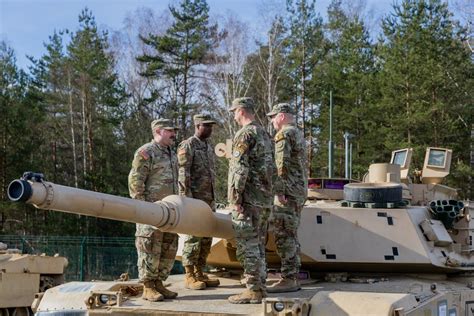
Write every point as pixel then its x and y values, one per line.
pixel 85 106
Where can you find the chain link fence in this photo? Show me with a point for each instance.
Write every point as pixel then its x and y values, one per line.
pixel 90 258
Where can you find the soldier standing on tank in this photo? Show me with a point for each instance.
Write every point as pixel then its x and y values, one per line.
pixel 250 196
pixel 291 189
pixel 154 175
pixel 197 180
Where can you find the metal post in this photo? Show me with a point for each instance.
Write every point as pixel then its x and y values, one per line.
pixel 346 154
pixel 81 259
pixel 23 242
pixel 330 144
pixel 350 161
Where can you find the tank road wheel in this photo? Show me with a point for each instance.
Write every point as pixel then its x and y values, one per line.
pixel 22 311
pixel 373 192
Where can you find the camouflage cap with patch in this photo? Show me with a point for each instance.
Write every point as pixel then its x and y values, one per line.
pixel 163 123
pixel 203 119
pixel 245 102
pixel 281 108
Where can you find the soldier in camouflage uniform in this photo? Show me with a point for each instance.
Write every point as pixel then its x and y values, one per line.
pixel 197 180
pixel 154 175
pixel 291 189
pixel 250 195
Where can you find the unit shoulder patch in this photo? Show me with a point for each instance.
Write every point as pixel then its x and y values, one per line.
pixel 240 149
pixel 279 137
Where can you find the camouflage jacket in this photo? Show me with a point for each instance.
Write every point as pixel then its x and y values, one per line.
pixel 251 167
pixel 196 169
pixel 290 160
pixel 154 173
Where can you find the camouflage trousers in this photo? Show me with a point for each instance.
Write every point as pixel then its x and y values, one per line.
pixel 196 250
pixel 156 254
pixel 286 219
pixel 250 228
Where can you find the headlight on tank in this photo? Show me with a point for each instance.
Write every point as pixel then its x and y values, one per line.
pixel 278 306
pixel 285 306
pixel 104 298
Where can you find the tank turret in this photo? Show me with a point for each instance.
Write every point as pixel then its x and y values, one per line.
pixel 375 230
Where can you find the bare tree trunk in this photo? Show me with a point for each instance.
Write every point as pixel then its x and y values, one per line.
pixel 407 107
pixel 3 159
pixel 90 141
pixel 303 76
pixel 54 160
pixel 84 137
pixel 73 139
pixel 185 94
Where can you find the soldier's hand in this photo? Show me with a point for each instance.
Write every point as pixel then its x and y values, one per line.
pixel 282 198
pixel 238 208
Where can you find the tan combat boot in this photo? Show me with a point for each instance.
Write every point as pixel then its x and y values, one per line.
pixel 201 276
pixel 190 280
pixel 284 285
pixel 150 293
pixel 163 290
pixel 246 297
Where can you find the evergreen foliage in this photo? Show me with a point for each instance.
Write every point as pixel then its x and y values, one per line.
pixel 71 118
pixel 425 82
pixel 177 53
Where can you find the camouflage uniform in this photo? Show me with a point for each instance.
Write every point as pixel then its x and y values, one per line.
pixel 154 175
pixel 250 185
pixel 291 181
pixel 197 180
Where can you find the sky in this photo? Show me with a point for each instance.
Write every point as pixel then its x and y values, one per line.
pixel 26 24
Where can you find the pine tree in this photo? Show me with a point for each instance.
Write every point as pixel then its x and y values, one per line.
pixel 178 54
pixel 427 81
pixel 266 72
pixel 306 39
pixel 21 116
pixel 98 98
pixel 347 70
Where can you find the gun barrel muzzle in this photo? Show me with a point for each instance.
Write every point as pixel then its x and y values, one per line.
pixel 19 191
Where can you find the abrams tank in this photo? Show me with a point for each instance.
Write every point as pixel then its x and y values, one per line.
pixel 392 246
pixel 24 277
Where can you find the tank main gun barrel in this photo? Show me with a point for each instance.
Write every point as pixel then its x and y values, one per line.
pixel 174 213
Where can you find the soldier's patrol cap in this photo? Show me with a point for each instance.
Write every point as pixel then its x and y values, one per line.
pixel 163 123
pixel 245 102
pixel 203 119
pixel 281 108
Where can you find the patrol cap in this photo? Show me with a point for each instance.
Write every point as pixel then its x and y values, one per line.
pixel 163 123
pixel 203 119
pixel 245 102
pixel 281 108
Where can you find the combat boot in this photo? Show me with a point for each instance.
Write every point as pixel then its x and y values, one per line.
pixel 201 276
pixel 284 285
pixel 247 297
pixel 190 280
pixel 163 290
pixel 150 293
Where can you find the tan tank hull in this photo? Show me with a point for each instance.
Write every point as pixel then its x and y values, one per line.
pixel 22 276
pixel 332 238
pixel 174 213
